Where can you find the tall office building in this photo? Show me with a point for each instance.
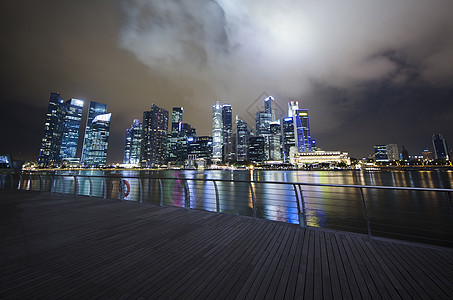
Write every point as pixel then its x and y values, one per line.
pixel 380 153
pixel 302 130
pixel 227 121
pixel 242 140
pixel 173 155
pixel 440 147
pixel 275 142
pixel 263 120
pixel 133 143
pixel 72 120
pixel 49 153
pixel 256 149
pixel 217 132
pixel 154 137
pixel 392 152
pixel 95 144
pixel 268 107
pixel 288 137
pixel 200 147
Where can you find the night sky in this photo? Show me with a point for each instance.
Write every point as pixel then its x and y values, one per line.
pixel 370 72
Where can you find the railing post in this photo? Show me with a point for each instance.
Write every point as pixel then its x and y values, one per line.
pixel 366 212
pixel 20 183
pixel 217 201
pixel 253 199
pixel 303 211
pixel 121 188
pixel 40 182
pixel 91 187
pixel 161 193
pixel 62 184
pixel 52 185
pixel 140 188
pixel 76 185
pixel 186 194
pixel 104 187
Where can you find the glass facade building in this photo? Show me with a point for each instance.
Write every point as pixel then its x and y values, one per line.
pixel 440 147
pixel 72 120
pixel 217 131
pixel 242 140
pixel 174 137
pixel 288 137
pixel 227 121
pixel 154 137
pixel 49 153
pixel 302 130
pixel 133 143
pixel 94 152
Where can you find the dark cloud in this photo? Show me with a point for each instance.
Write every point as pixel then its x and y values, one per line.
pixel 369 71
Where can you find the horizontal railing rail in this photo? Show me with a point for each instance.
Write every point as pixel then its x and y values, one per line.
pixel 427 213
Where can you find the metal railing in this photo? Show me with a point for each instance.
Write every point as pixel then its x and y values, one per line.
pixel 416 214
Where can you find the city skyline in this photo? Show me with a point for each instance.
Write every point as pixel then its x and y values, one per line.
pixel 370 73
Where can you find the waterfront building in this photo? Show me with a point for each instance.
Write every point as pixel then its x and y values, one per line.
pixel 440 147
pixel 380 153
pixel 392 152
pixel 200 147
pixel 274 141
pixel 227 121
pixel 217 132
pixel 173 154
pixel 262 123
pixel 95 144
pixel 185 132
pixel 256 149
pixel 288 137
pixel 70 139
pixel 242 140
pixel 302 130
pixel 133 143
pixel 49 152
pixel 154 137
pixel 427 154
pixel 303 159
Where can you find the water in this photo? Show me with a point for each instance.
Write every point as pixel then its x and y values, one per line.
pixel 412 215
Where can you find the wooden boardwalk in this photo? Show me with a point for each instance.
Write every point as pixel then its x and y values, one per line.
pixel 57 246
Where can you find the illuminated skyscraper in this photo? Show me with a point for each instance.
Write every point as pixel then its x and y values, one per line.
pixel 154 137
pixel 173 155
pixel 288 137
pixel 217 132
pixel 380 153
pixel 275 141
pixel 72 120
pixel 94 152
pixel 133 143
pixel 440 147
pixel 256 149
pixel 302 130
pixel 227 122
pixel 49 153
pixel 268 107
pixel 242 140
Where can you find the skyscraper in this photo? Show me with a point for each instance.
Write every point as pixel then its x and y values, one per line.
pixel 256 149
pixel 95 144
pixel 380 153
pixel 288 137
pixel 302 130
pixel 268 104
pixel 173 155
pixel 72 120
pixel 440 147
pixel 154 137
pixel 275 141
pixel 217 132
pixel 227 121
pixel 242 140
pixel 49 152
pixel 392 152
pixel 133 143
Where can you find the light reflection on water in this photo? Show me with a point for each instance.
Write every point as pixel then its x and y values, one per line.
pixel 390 211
